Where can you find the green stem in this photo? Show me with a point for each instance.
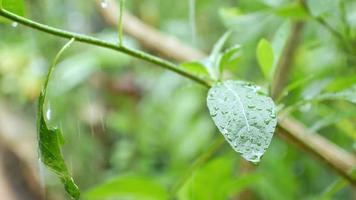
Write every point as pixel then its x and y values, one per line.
pixel 51 69
pixel 197 163
pixel 97 42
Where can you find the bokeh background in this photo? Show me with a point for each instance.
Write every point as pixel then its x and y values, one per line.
pixel 133 130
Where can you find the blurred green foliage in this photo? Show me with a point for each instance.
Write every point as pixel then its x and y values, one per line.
pixel 132 130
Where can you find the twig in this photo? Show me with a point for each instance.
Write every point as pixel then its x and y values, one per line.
pixel 334 156
pixel 148 36
pixel 285 63
pixel 100 43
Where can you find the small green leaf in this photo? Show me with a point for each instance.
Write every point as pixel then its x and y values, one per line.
pixel 212 63
pixel 230 57
pixel 246 118
pixel 51 139
pixel 196 68
pixel 265 57
pixel 219 45
pixel 128 187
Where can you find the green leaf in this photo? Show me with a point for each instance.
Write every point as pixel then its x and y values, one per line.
pixel 346 95
pixel 230 57
pixel 246 118
pixel 265 57
pixel 219 45
pixel 341 83
pixel 50 139
pixel 14 6
pixel 128 187
pixel 212 63
pixel 197 68
pixel 319 7
pixel 293 11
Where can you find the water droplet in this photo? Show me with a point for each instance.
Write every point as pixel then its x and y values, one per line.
pixel 14 24
pixel 267 121
pixel 104 3
pixel 48 114
pixel 251 106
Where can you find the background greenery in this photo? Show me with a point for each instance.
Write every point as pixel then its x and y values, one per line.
pixel 132 130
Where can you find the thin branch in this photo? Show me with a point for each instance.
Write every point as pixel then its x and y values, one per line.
pixel 334 156
pixel 96 42
pixel 148 36
pixel 286 61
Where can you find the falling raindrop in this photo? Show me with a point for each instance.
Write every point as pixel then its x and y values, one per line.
pixel 192 20
pixel 48 114
pixel 14 24
pixel 104 3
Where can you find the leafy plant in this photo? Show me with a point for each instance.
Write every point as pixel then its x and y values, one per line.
pixel 241 110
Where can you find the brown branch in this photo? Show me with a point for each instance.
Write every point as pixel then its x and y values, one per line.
pixel 337 158
pixel 285 63
pixel 148 36
pixel 289 129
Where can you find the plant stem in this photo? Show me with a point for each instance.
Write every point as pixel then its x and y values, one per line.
pixel 97 42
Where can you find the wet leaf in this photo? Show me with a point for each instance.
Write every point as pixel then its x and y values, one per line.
pixel 246 118
pixel 50 139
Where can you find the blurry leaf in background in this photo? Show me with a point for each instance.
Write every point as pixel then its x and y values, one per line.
pixel 319 7
pixel 14 6
pixel 341 83
pixel 292 11
pixel 265 57
pixel 128 187
pixel 50 139
pixel 246 118
pixel 216 180
pixel 348 94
